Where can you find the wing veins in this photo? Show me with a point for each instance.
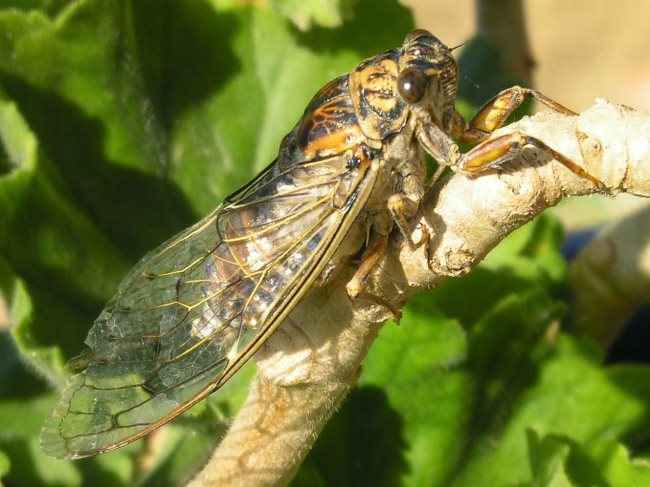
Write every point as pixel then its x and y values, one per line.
pixel 341 221
pixel 274 226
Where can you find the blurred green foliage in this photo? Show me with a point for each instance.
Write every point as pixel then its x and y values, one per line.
pixel 122 122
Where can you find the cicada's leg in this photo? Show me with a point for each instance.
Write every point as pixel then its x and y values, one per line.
pixel 500 149
pixel 356 287
pixel 401 207
pixel 405 203
pixel 496 151
pixel 434 178
pixel 496 111
pixel 506 147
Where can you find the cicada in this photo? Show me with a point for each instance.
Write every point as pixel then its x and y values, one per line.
pixel 352 170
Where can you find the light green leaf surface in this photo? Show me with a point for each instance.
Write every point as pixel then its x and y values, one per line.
pixel 304 13
pixel 4 464
pixel 548 459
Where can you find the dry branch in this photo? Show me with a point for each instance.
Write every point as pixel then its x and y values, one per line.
pixel 310 364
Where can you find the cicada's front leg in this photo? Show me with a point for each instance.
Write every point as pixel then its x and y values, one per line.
pixel 501 149
pixel 405 203
pixel 496 151
pixel 496 111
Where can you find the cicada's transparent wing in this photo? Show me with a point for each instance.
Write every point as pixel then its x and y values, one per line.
pixel 194 310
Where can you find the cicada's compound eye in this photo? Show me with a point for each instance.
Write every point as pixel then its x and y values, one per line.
pixel 412 84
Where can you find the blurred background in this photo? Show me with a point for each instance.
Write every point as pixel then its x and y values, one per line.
pixel 582 49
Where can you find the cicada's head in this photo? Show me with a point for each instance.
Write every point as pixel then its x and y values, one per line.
pixel 420 77
pixel 428 76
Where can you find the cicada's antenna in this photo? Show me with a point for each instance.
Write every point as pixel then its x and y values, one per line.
pixel 465 77
pixel 459 45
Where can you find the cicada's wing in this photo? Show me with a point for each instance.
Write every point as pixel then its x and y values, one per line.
pixel 193 311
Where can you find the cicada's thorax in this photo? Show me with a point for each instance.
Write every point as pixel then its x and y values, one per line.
pixel 381 113
pixel 387 123
pixel 359 113
pixel 360 108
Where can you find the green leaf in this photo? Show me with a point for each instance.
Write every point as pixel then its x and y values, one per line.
pixel 438 406
pixel 618 466
pixel 409 368
pixel 548 458
pixel 555 459
pixel 531 253
pixel 5 465
pixel 47 241
pixel 304 13
pixel 183 447
pixel 29 467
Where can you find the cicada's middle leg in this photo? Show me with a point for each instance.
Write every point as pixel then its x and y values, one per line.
pixel 401 206
pixel 356 286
